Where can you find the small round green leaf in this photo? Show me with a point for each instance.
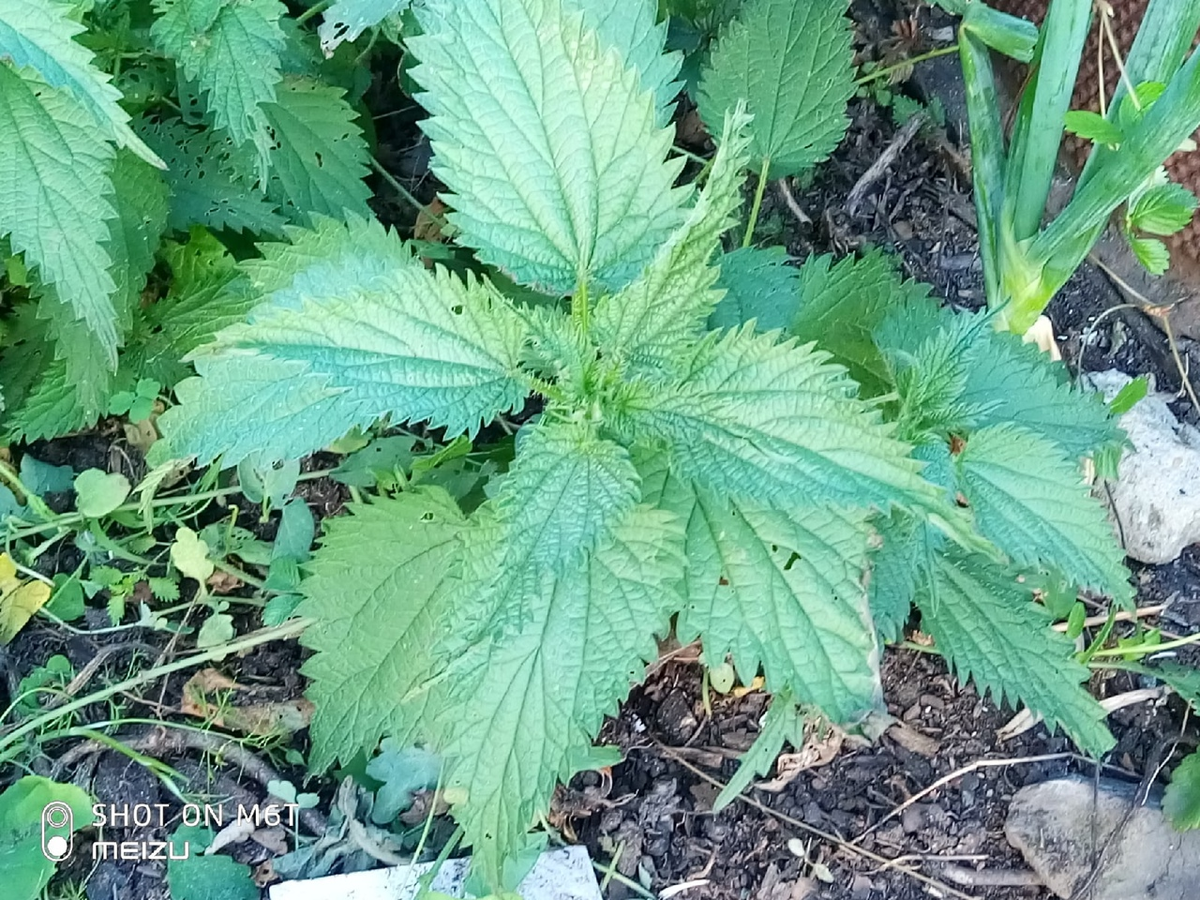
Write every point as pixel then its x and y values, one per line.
pixel 97 493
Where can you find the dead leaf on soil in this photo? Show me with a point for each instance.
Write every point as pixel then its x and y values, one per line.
pixel 822 743
pixel 264 873
pixel 774 887
pixel 428 226
pixel 914 741
pixel 273 839
pixel 233 833
pixel 19 600
pixel 212 696
pixel 1026 719
pixel 690 130
pixel 223 582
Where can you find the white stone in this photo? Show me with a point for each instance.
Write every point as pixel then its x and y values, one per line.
pixel 1156 497
pixel 1059 826
pixel 564 874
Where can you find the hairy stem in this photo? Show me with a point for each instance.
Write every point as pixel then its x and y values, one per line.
pixel 758 196
pixel 911 61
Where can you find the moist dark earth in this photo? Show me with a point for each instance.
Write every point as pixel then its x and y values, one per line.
pixel 829 832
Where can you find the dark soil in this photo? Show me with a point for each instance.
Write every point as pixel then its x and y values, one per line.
pixel 659 807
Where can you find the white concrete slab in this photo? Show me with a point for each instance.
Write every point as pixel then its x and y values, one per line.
pixel 564 874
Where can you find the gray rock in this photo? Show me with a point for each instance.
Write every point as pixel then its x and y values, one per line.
pixel 1059 826
pixel 1156 497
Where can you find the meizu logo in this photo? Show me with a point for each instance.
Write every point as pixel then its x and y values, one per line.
pixel 58 826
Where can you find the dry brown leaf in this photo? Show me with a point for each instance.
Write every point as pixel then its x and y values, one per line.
pixel 264 873
pixel 202 697
pixel 820 748
pixel 223 582
pixel 428 226
pixel 914 741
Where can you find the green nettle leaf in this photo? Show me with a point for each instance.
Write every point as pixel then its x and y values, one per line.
pixel 231 49
pixel 1031 502
pixel 783 722
pixel 416 344
pixel 201 177
pixel 40 34
pixel 319 157
pixel 140 198
pixel 759 285
pixel 556 165
pixel 318 263
pixel 377 616
pixel 674 296
pixel 566 489
pixel 893 584
pixel 793 64
pixel 55 182
pixel 86 367
pixel 1181 802
pixel 842 303
pixel 773 423
pixel 205 296
pixel 990 630
pixel 42 401
pixel 778 588
pixel 345 20
pixel 1009 380
pixel 521 708
pixel 632 28
pixel 1163 209
pixel 925 351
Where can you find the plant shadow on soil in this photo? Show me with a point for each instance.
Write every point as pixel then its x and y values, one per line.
pixel 655 809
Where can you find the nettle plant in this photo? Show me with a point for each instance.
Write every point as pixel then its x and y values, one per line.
pixel 133 132
pixel 696 458
pixel 781 461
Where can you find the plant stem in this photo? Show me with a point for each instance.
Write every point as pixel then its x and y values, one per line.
pixel 1146 650
pixel 579 304
pixel 400 189
pixel 288 629
pixel 318 7
pixel 758 196
pixel 9 476
pixel 75 518
pixel 911 61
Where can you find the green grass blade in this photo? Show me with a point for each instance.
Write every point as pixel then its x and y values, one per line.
pixel 1005 34
pixel 1167 123
pixel 1162 42
pixel 1040 120
pixel 1161 45
pixel 987 152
